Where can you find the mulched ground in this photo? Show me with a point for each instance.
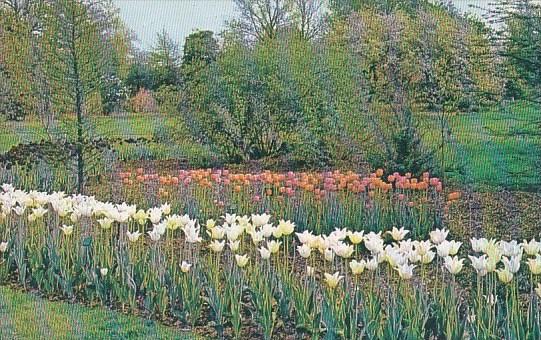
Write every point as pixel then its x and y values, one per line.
pixel 497 214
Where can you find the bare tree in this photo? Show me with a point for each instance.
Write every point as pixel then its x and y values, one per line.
pixel 262 19
pixel 310 18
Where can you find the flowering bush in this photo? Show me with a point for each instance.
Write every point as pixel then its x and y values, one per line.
pixel 343 284
pixel 143 102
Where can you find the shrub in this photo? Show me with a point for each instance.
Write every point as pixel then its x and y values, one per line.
pixel 143 102
pixel 168 99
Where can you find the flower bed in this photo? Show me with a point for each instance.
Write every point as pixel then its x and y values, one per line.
pixel 318 201
pixel 237 270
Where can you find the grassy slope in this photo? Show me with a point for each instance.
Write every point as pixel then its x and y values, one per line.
pixel 498 147
pixel 25 316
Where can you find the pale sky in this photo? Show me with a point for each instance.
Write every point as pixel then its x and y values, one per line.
pixel 178 17
pixel 181 17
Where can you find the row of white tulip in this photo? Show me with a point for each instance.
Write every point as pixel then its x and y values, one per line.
pixel 403 255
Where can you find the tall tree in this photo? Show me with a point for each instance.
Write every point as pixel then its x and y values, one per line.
pixel 139 76
pixel 77 62
pixel 200 50
pixel 309 17
pixel 22 62
pixel 343 8
pixel 164 61
pixel 519 36
pixel 262 19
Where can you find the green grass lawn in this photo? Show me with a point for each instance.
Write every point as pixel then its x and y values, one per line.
pixel 149 127
pixel 494 148
pixel 500 147
pixel 25 316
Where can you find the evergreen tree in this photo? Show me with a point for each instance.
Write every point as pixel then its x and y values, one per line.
pixel 520 45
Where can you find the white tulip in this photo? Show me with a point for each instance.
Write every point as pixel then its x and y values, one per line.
pixel 105 223
pixel 398 234
pixel 531 248
pixel 511 248
pixel 267 230
pixel 242 260
pixel 234 245
pixel 286 227
pixel 133 237
pixel 328 255
pixel 260 220
pixel 154 235
pixel 443 249
pixel 305 237
pixel 332 280
pixel 67 229
pixel 265 253
pixel 165 208
pixel 511 264
pixel 357 268
pixel 304 250
pixel 356 237
pixel 438 236
pixel 185 266
pixel 217 246
pixel 405 271
pixel 480 264
pixel 344 250
pixel 372 264
pixel 453 264
pixel 230 218
pixel 155 215
pixel 274 246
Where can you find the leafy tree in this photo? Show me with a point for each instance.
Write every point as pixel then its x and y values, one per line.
pixel 520 38
pixel 164 61
pixel 267 19
pixel 119 52
pixel 168 99
pixel 9 105
pixel 200 50
pixel 271 100
pixel 200 53
pixel 343 8
pixel 321 130
pixel 21 58
pixel 408 152
pixel 248 115
pixel 121 41
pixel 445 58
pixel 112 92
pixel 139 77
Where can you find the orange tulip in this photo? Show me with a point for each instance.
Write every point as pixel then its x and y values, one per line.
pixel 453 196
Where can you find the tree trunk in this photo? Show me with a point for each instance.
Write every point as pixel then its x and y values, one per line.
pixel 79 111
